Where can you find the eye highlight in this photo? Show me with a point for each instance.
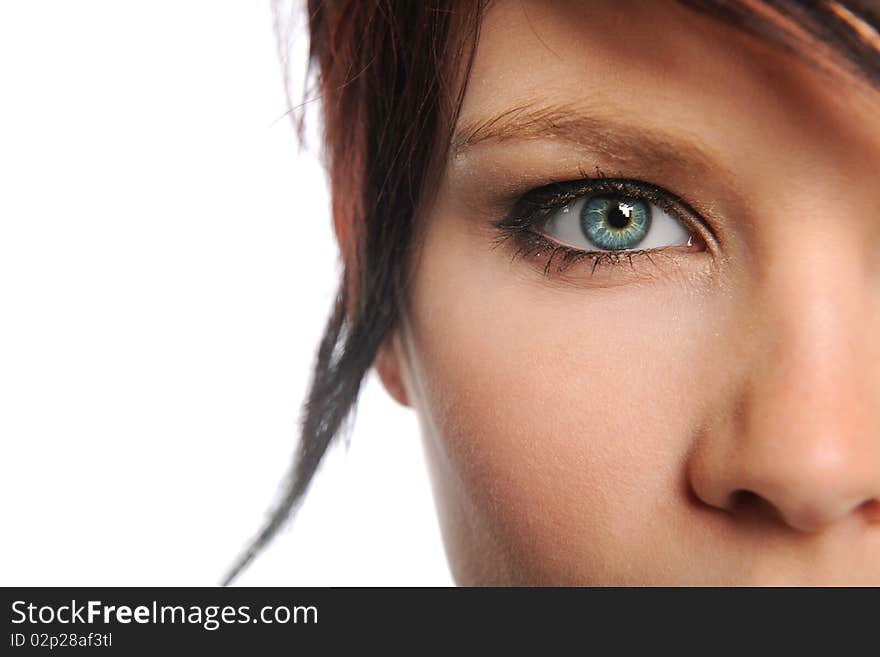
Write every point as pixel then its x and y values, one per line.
pixel 600 219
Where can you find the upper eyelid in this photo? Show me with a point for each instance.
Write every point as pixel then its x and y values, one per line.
pixel 560 193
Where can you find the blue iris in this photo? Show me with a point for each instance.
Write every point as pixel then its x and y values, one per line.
pixel 615 222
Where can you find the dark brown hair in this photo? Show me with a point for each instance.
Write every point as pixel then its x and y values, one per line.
pixel 391 75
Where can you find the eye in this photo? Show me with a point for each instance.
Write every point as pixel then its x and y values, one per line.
pixel 600 220
pixel 614 222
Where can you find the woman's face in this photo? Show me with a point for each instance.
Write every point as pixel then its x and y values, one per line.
pixel 706 413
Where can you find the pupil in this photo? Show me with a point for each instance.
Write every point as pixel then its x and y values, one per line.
pixel 617 218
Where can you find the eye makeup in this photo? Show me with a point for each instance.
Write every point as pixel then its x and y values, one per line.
pixel 613 209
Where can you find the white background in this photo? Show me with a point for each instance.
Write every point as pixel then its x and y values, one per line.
pixel 166 268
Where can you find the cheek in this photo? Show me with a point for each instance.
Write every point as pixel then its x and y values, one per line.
pixel 559 416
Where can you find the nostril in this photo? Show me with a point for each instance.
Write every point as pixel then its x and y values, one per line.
pixel 743 499
pixel 747 503
pixel 870 509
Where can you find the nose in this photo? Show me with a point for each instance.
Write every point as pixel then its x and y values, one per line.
pixel 797 439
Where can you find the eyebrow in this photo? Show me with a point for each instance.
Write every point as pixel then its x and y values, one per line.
pixel 610 136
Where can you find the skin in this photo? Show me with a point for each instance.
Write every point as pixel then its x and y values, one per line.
pixel 711 417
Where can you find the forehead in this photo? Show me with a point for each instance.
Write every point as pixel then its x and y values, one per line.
pixel 661 63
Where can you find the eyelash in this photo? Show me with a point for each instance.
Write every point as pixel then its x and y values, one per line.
pixel 537 205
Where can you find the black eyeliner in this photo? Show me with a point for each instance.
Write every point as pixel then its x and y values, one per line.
pixel 537 205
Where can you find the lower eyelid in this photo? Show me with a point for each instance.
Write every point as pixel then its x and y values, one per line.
pixel 695 243
pixel 554 259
